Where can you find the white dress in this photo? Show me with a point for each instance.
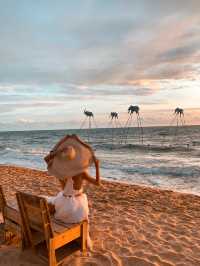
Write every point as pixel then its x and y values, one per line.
pixel 71 206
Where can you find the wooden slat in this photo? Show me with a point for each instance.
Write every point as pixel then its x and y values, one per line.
pixel 32 210
pixel 31 200
pixel 38 238
pixel 2 199
pixel 60 227
pixel 36 226
pixel 65 225
pixel 12 214
pixel 25 228
pixel 57 228
pixel 66 237
pixel 12 226
pixel 48 231
pixel 35 218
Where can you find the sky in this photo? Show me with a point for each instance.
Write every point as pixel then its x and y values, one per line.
pixel 59 57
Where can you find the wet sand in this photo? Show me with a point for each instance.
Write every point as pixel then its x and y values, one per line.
pixel 129 224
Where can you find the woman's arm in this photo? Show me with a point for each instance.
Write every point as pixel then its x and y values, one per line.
pixel 89 178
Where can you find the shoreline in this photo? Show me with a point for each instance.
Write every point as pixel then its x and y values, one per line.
pixel 112 181
pixel 129 224
pixel 71 129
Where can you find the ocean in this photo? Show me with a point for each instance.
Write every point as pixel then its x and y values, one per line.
pixel 166 157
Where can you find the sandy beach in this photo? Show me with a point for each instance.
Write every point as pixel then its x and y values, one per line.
pixel 129 224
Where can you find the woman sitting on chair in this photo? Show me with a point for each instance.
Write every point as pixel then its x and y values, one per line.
pixel 69 161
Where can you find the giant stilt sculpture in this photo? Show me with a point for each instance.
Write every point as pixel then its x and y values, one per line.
pixel 131 110
pixel 179 114
pixel 90 118
pixel 114 123
pixel 179 118
pixel 114 120
pixel 177 121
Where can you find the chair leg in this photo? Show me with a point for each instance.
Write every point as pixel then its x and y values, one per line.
pixel 52 254
pixel 84 235
pixel 24 241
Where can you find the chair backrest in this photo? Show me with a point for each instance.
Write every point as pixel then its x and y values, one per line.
pixel 35 216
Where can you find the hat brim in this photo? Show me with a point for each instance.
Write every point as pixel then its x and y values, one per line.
pixel 62 167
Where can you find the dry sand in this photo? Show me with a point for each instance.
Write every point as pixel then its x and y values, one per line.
pixel 129 225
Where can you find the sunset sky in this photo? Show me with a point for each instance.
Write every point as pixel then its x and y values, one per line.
pixel 59 57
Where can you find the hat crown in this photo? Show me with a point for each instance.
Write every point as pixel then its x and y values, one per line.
pixel 68 153
pixel 71 156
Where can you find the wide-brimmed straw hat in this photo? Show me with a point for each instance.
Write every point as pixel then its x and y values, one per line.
pixel 70 157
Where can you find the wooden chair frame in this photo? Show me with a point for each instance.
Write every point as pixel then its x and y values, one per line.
pixel 11 217
pixel 36 218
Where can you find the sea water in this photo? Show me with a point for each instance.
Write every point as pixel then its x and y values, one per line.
pixel 163 157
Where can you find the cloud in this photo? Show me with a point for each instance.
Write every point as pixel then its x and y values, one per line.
pixel 25 121
pixel 68 54
pixel 97 46
pixel 180 53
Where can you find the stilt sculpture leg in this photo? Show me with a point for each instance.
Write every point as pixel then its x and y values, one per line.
pixel 90 118
pixel 179 120
pixel 131 110
pixel 114 123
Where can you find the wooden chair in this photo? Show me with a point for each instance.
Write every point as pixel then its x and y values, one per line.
pixel 36 221
pixel 11 217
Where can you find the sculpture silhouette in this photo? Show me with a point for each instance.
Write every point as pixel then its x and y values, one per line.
pixel 177 121
pixel 88 113
pixel 131 110
pixel 179 111
pixel 114 123
pixel 90 117
pixel 114 115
